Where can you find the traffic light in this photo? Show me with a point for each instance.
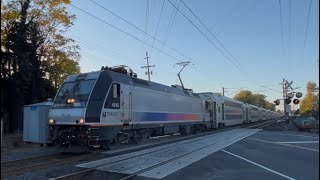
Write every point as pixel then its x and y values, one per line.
pixel 296 101
pixel 277 102
pixel 288 100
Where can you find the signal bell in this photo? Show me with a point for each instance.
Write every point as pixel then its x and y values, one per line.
pixel 296 101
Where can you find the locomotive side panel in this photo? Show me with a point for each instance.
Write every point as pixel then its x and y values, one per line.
pixel 152 106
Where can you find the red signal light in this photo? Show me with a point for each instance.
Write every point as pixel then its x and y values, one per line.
pixel 296 101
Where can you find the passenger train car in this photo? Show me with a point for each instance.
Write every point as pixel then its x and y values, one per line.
pixel 111 106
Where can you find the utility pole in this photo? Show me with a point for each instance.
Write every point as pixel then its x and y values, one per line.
pixel 224 91
pixel 148 66
pixel 284 94
pixel 183 64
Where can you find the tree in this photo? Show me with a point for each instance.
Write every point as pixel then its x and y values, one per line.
pixel 310 103
pixel 270 106
pixel 63 67
pixel 247 96
pixel 35 54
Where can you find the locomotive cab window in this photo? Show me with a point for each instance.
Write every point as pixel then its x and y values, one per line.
pixel 113 98
pixel 115 90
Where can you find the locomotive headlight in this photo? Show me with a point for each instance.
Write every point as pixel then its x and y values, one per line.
pixel 81 121
pixel 70 100
pixel 51 121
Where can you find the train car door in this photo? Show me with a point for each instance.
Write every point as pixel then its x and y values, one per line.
pixel 209 109
pixel 215 111
pixel 126 102
pixel 222 114
pixel 218 114
pixel 247 115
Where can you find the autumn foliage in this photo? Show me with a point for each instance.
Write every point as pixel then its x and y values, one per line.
pixel 35 54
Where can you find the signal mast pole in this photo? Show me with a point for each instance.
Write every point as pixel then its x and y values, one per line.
pixel 284 93
pixel 148 66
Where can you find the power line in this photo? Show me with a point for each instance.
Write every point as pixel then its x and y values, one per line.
pixel 282 42
pixel 230 60
pixel 124 32
pixel 171 22
pixel 271 89
pixel 289 26
pixel 102 51
pixel 158 22
pixel 131 34
pixel 208 30
pixel 305 37
pixel 141 30
pixel 147 16
pixel 163 43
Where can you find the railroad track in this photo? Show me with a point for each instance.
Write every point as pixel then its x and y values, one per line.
pixel 260 124
pixel 80 174
pixel 21 166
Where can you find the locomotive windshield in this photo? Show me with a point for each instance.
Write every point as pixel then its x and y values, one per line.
pixel 78 90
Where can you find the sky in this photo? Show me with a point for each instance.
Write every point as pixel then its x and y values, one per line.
pixel 244 45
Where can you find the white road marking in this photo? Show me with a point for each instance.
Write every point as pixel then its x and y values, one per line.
pixel 171 167
pixel 268 169
pixel 158 137
pixel 300 142
pixel 166 159
pixel 288 145
pixel 285 134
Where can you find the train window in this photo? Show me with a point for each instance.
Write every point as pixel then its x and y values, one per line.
pixel 113 98
pixel 115 90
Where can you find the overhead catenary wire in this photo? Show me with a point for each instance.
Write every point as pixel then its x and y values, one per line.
pixel 141 30
pixel 209 40
pixel 281 27
pixel 271 89
pixel 156 33
pixel 124 32
pixel 209 31
pixel 158 40
pixel 102 48
pixel 306 32
pixel 289 43
pixel 171 22
pixel 102 51
pixel 163 43
pixel 147 16
pixel 103 21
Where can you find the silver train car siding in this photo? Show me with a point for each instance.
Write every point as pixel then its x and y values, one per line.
pixel 98 109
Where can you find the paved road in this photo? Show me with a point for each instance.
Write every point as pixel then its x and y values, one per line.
pixel 273 161
pixel 233 154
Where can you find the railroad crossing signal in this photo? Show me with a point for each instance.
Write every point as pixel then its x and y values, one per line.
pixel 298 94
pixel 296 101
pixel 277 102
pixel 290 95
pixel 288 100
